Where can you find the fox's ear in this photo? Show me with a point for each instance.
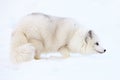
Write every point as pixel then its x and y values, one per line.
pixel 89 35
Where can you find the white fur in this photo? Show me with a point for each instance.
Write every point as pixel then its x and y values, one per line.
pixel 39 33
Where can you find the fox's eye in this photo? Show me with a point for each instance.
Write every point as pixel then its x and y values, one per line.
pixel 97 43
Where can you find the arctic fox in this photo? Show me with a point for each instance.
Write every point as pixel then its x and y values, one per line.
pixel 39 33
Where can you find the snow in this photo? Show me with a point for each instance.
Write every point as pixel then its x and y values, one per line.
pixel 103 16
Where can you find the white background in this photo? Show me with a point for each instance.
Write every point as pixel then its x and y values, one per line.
pixel 102 16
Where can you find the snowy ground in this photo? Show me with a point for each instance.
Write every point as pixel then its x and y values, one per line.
pixel 103 16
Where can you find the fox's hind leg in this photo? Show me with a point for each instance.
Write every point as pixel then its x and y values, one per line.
pixel 38 46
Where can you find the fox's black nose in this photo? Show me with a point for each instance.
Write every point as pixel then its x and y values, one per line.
pixel 104 50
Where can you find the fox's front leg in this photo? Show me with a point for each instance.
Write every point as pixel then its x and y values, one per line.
pixel 64 52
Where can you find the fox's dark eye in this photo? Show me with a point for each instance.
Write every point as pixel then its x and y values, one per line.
pixel 97 43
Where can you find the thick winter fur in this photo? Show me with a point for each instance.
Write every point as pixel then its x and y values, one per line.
pixel 40 33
